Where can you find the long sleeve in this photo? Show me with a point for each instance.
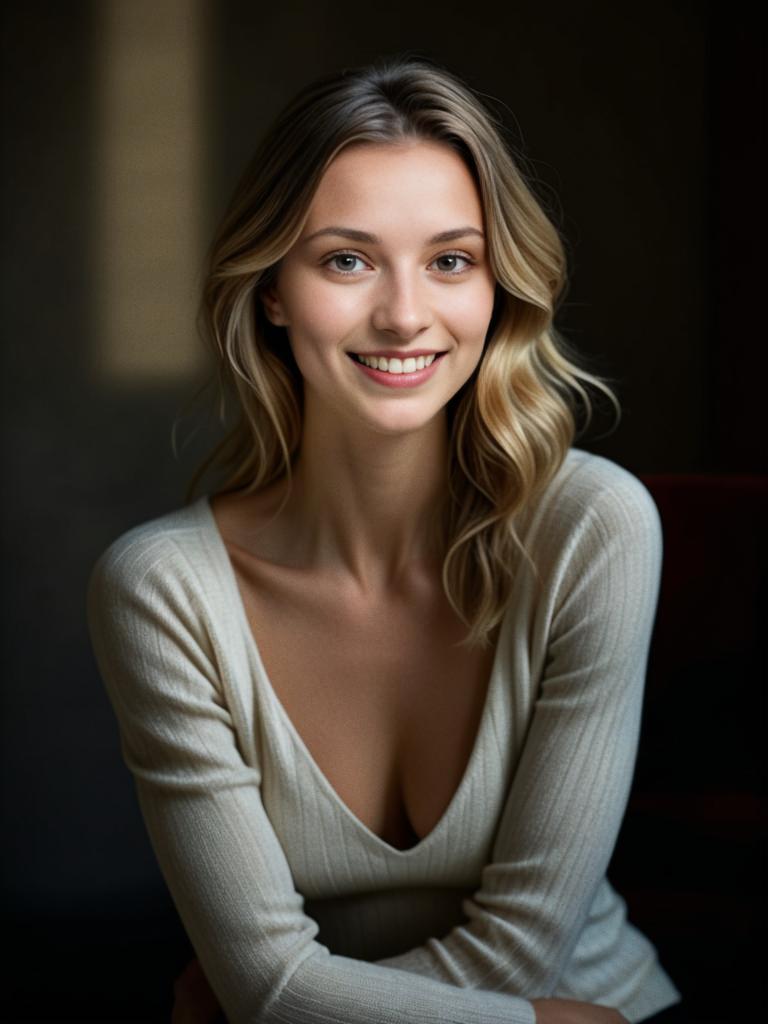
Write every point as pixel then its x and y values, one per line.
pixel 200 799
pixel 567 800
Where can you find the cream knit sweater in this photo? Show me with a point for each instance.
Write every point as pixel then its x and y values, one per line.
pixel 297 911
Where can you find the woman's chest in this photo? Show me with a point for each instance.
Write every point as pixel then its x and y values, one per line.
pixel 387 704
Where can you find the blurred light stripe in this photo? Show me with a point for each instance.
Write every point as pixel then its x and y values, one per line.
pixel 148 248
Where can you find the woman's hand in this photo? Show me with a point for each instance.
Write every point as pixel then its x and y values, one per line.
pixel 570 1011
pixel 194 1000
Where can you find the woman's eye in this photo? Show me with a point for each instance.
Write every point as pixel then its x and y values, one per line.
pixel 452 257
pixel 343 262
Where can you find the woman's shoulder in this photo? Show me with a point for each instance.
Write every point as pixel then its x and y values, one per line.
pixel 173 543
pixel 585 476
pixel 592 490
pixel 596 525
pixel 167 585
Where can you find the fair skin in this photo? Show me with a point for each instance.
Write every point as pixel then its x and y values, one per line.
pixel 351 524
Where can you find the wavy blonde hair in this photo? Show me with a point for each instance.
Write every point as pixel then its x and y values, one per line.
pixel 511 424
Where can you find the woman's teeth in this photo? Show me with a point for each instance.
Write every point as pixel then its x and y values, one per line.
pixel 409 365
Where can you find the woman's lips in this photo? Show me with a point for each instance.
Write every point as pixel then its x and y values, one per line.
pixel 399 380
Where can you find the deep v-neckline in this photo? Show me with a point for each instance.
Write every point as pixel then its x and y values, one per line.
pixel 459 794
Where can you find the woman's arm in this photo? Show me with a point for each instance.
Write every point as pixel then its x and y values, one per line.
pixel 568 797
pixel 195 1003
pixel 202 807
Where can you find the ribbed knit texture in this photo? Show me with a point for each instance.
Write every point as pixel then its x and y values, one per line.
pixel 300 913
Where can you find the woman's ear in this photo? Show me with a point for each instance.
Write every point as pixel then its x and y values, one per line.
pixel 272 306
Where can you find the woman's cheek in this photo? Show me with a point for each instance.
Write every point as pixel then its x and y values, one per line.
pixel 329 304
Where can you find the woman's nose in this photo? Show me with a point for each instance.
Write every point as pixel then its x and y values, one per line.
pixel 401 306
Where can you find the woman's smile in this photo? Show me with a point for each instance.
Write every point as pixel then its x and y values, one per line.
pixel 404 372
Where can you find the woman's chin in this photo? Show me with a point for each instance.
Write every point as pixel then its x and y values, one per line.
pixel 401 422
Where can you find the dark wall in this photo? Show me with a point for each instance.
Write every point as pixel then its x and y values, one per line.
pixel 642 121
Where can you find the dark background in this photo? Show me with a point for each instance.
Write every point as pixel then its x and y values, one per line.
pixel 647 125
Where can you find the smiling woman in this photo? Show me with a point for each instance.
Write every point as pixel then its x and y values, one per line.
pixel 381 691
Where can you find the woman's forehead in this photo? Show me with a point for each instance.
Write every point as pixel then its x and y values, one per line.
pixel 415 182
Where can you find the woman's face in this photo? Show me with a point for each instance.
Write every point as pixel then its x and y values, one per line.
pixel 369 276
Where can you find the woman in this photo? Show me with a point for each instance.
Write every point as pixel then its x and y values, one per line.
pixel 381 693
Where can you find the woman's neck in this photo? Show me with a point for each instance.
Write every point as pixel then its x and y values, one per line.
pixel 367 505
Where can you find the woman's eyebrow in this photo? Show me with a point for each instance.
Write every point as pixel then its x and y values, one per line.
pixel 365 236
